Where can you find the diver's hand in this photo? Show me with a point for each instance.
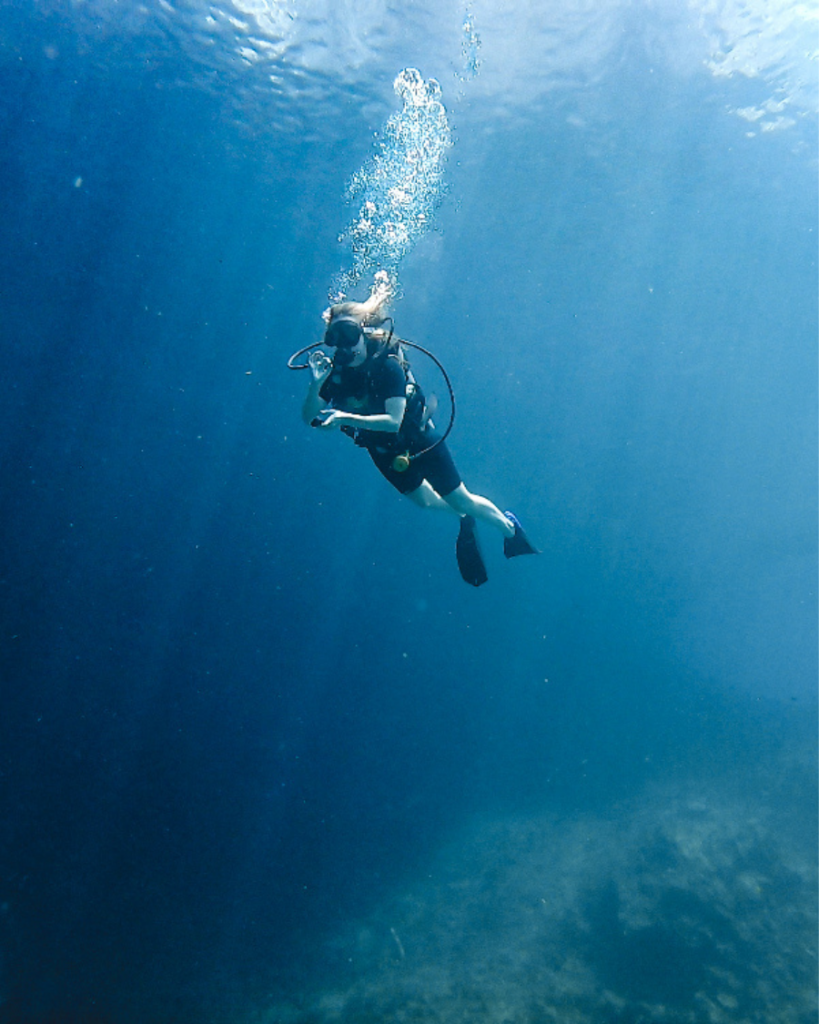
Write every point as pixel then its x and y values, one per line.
pixel 321 366
pixel 329 419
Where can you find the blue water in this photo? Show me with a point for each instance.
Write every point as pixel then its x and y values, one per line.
pixel 263 755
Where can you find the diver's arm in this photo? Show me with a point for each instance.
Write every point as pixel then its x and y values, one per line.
pixel 320 370
pixel 388 422
pixel 313 403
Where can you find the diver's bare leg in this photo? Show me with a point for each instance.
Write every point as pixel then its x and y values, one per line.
pixel 426 496
pixel 467 504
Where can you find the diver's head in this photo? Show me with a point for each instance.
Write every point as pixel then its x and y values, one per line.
pixel 346 341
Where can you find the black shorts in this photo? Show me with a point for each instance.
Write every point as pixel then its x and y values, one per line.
pixel 435 466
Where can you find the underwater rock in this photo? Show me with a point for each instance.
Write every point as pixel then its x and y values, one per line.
pixel 685 909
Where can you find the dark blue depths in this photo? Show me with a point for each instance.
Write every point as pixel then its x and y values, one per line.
pixel 244 690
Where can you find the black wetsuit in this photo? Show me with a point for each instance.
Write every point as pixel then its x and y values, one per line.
pixel 365 390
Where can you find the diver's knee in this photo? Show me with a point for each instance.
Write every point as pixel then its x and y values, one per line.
pixel 460 499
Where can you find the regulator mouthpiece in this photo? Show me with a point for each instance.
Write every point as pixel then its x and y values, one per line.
pixel 401 463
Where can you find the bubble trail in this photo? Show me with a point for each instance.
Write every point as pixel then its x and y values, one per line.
pixel 399 187
pixel 470 48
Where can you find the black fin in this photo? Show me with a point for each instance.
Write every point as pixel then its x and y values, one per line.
pixel 468 553
pixel 520 543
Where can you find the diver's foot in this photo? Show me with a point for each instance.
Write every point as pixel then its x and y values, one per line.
pixel 468 553
pixel 519 544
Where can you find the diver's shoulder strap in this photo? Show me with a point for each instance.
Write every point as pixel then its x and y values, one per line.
pixel 380 348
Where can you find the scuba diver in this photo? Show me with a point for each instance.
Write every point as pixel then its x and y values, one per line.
pixel 362 384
